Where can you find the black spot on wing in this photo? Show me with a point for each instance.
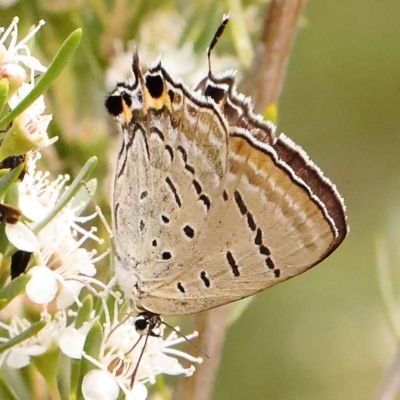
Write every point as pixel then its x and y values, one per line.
pixel 232 263
pixel 265 250
pixel 258 238
pixel 197 186
pixel 189 231
pixel 270 264
pixel 183 152
pixel 155 85
pixel 180 287
pixel 250 221
pixel 174 191
pixel 240 203
pixel 206 200
pixel 170 151
pixel 189 168
pixel 204 278
pixel 166 255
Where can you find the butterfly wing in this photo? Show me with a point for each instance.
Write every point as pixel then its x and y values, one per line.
pixel 264 226
pixel 205 213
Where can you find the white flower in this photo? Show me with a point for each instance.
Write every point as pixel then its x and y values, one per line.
pixel 122 348
pixel 62 267
pixel 29 129
pixel 99 385
pixel 21 237
pixel 19 355
pixel 18 52
pixel 14 53
pixel 72 340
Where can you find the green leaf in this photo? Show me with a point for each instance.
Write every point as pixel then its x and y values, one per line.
pixel 47 364
pixel 12 195
pixel 4 87
pixel 84 196
pixel 74 381
pixel 59 62
pixel 4 274
pixel 31 331
pixel 10 178
pixel 6 392
pixel 92 348
pixel 84 311
pixel 69 194
pixel 13 289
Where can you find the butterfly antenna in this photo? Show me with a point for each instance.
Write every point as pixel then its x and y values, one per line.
pixel 215 39
pixel 184 337
pixel 133 377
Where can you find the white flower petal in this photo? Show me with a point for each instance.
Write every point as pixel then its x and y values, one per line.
pixel 167 365
pixel 139 392
pixel 32 63
pixel 71 342
pixel 32 208
pixel 68 294
pixel 34 350
pixel 22 237
pixel 99 385
pixel 42 287
pixel 17 359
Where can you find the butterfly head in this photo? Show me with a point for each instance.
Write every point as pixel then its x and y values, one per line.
pixel 146 322
pixel 132 100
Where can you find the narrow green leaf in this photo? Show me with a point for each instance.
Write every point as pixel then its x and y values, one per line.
pixel 4 274
pixel 69 194
pixel 6 392
pixel 4 86
pixel 47 364
pixel 10 178
pixel 84 196
pixel 74 381
pixel 59 62
pixel 12 195
pixel 13 289
pixel 31 331
pixel 84 311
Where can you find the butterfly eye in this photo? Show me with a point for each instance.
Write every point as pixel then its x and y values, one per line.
pixel 140 325
pixel 114 105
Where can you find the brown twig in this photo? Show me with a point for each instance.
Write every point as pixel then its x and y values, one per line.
pixel 264 80
pixel 211 326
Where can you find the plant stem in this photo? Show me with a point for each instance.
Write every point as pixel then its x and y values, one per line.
pixel 264 80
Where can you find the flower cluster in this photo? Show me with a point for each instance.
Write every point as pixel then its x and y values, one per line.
pixel 61 265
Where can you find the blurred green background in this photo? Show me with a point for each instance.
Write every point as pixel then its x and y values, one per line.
pixel 323 335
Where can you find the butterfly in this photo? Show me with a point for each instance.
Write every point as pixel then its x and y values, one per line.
pixel 209 205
